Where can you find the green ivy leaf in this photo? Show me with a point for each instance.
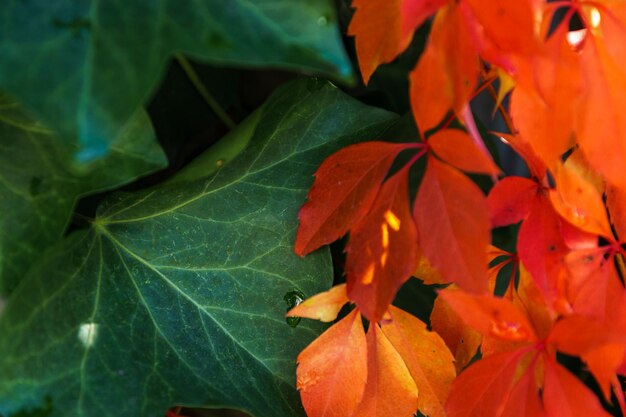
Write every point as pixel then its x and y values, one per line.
pixel 39 191
pixel 86 66
pixel 176 294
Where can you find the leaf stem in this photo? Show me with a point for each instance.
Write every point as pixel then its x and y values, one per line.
pixel 505 115
pixel 486 83
pixel 202 90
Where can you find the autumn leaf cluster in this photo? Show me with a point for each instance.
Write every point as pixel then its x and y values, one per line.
pixel 566 88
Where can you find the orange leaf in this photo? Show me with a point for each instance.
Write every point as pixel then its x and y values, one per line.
pixel 593 282
pixel 483 388
pixel 323 306
pixel 462 339
pixel 506 28
pixel 491 316
pixel 332 370
pixel 579 202
pixel 345 186
pixel 447 71
pixel 382 249
pixel 427 357
pixel 602 125
pixel 427 273
pixel 544 101
pixel 384 28
pixel 452 217
pixel 390 389
pixel 566 396
pixel 604 363
pixel 459 150
pixel 510 200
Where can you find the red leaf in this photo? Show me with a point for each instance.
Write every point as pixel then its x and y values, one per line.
pixel 390 389
pixel 345 186
pixel 323 306
pixel 459 150
pixel 566 396
pixel 332 370
pixel 384 28
pixel 491 316
pixel 452 217
pixel 540 245
pixel 447 71
pixel 524 399
pixel 483 388
pixel 382 249
pixel 510 200
pixel 427 357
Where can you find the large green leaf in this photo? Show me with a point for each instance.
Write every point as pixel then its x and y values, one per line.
pixel 175 295
pixel 38 192
pixel 86 65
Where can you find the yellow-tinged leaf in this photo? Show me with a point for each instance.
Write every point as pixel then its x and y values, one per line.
pixel 426 355
pixel 323 306
pixel 332 370
pixel 462 339
pixel 390 389
pixel 579 202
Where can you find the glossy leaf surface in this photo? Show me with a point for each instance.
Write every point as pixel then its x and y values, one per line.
pixel 187 279
pixel 39 190
pixel 102 59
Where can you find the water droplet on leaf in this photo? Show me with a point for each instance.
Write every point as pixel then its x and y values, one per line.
pixel 293 298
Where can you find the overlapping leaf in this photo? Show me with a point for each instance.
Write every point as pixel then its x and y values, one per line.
pixel 39 191
pixel 447 71
pixel 383 29
pixel 186 280
pixel 345 188
pixel 102 59
pixel 382 250
pixel 451 215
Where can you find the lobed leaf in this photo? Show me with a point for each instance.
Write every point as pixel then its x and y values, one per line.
pixel 102 59
pixel 39 190
pixel 184 279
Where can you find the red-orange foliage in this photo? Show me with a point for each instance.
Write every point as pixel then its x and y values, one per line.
pixel 566 294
